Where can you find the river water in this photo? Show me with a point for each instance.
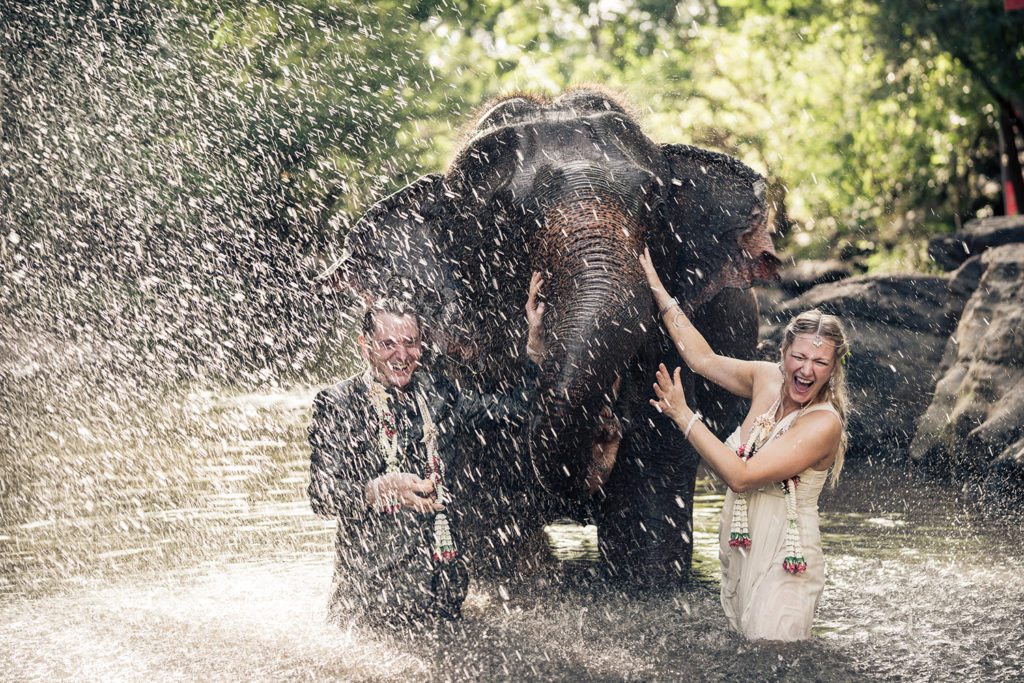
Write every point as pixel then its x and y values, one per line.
pixel 177 544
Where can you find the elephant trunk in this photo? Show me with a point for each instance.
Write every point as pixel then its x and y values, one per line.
pixel 599 303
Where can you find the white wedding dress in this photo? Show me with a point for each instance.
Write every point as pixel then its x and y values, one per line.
pixel 761 599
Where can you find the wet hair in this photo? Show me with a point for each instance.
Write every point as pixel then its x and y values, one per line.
pixel 391 305
pixel 815 322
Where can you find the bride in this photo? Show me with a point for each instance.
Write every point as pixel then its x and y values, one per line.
pixel 773 571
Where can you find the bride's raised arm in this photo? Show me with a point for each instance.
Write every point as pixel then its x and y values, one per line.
pixel 732 374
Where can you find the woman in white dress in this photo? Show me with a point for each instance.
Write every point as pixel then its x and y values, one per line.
pixel 773 571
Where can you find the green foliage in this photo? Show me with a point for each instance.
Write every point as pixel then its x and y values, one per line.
pixel 330 86
pixel 985 38
pixel 862 115
pixel 167 189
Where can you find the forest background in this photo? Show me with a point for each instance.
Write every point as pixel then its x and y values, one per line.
pixel 174 174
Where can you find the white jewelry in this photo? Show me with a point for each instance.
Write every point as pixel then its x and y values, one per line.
pixel 443 547
pixel 671 302
pixel 817 340
pixel 689 425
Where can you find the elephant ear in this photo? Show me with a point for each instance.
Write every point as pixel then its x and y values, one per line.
pixel 716 211
pixel 396 249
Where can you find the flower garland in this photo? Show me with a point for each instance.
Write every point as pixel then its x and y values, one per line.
pixel 794 563
pixel 761 432
pixel 443 546
pixel 387 438
pixel 739 532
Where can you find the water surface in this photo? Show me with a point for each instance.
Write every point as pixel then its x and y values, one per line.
pixel 178 545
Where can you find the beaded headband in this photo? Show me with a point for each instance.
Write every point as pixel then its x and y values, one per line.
pixel 817 339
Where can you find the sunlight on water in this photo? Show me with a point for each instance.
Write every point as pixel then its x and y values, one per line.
pixel 210 566
pixel 245 620
pixel 570 542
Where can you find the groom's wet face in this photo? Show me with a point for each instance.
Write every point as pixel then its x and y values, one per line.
pixel 392 348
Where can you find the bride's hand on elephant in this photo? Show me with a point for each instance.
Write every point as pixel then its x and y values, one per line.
pixel 661 297
pixel 535 320
pixel 671 399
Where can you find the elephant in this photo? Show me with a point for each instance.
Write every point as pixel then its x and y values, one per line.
pixel 570 186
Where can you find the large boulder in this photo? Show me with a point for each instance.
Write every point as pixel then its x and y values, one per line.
pixel 974 428
pixel 899 326
pixel 950 251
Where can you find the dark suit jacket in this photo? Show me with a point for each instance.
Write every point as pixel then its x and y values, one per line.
pixel 388 553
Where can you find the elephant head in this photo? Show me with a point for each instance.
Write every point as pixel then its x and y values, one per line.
pixel 573 188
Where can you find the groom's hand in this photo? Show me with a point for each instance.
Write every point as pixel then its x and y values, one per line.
pixel 405 488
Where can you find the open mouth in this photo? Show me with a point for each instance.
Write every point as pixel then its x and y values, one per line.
pixel 400 370
pixel 802 386
pixel 739 274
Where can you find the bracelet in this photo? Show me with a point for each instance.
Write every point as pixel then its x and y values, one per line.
pixel 671 302
pixel 689 425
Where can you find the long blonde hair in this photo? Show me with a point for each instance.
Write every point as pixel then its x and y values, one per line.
pixel 815 322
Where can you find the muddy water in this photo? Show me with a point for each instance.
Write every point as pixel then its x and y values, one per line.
pixel 179 546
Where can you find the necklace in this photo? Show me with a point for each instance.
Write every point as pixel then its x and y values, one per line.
pixel 443 546
pixel 443 549
pixel 387 437
pixel 739 532
pixel 765 428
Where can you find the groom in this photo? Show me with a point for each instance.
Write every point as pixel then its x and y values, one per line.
pixel 383 459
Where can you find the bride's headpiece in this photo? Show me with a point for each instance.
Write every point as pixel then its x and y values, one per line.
pixel 817 339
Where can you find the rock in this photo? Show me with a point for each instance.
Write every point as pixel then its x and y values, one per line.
pixel 804 275
pixel 974 428
pixel 898 328
pixel 1001 491
pixel 978 235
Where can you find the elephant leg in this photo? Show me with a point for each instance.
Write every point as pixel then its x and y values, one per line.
pixel 646 519
pixel 646 522
pixel 503 511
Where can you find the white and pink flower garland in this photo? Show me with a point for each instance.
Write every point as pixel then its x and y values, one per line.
pixel 443 546
pixel 739 531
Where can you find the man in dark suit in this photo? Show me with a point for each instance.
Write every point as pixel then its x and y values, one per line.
pixel 384 453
